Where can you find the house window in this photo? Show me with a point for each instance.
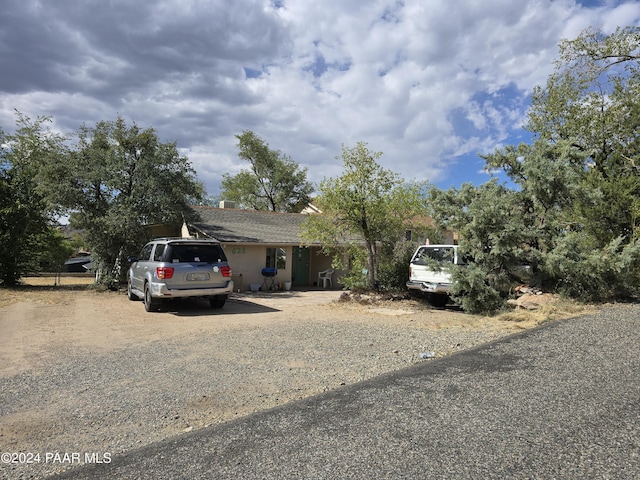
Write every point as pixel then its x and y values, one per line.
pixel 276 258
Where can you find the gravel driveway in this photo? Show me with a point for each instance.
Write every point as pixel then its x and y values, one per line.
pixel 92 374
pixel 558 402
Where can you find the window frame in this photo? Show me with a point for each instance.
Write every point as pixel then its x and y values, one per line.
pixel 276 257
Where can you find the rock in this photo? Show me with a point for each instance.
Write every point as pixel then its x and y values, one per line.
pixel 344 297
pixel 532 301
pixel 523 289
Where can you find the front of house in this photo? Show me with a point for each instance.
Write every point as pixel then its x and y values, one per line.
pixel 254 240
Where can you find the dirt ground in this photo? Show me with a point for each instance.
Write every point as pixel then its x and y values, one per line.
pixel 39 323
pixel 261 350
pixel 49 315
pixel 40 320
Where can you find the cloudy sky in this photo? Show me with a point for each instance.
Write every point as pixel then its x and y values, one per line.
pixel 430 83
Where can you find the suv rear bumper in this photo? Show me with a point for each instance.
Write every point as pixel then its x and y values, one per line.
pixel 429 287
pixel 160 290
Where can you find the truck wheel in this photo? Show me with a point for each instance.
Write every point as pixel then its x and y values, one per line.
pixel 438 300
pixel 150 304
pixel 218 301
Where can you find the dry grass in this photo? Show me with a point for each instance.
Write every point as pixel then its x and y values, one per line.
pixel 63 281
pixel 556 310
pixel 551 307
pixel 45 290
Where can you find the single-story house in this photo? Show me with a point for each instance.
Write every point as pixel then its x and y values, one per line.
pixel 254 240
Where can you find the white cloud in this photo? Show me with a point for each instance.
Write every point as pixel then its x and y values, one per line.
pixel 424 82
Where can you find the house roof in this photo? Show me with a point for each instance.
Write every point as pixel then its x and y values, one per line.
pixel 230 225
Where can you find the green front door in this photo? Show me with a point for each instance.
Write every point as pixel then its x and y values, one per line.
pixel 300 266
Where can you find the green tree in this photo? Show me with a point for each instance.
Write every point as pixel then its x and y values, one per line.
pixel 119 180
pixel 55 249
pixel 274 181
pixel 573 217
pixel 368 207
pixel 593 101
pixel 28 239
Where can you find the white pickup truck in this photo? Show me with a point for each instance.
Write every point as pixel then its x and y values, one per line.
pixel 428 272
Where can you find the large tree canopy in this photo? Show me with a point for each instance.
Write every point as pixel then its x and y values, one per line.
pixel 274 181
pixel 592 100
pixel 366 206
pixel 28 240
pixel 117 181
pixel 572 218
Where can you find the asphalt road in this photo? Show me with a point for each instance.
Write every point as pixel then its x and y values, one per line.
pixel 558 402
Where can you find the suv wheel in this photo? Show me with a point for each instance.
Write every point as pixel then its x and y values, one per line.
pixel 218 301
pixel 130 295
pixel 150 304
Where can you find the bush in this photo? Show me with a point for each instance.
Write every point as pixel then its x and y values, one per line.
pixel 354 261
pixel 393 272
pixel 591 274
pixel 473 291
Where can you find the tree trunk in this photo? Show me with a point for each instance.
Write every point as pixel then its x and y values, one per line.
pixel 372 273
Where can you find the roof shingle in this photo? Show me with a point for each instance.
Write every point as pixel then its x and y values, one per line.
pixel 250 226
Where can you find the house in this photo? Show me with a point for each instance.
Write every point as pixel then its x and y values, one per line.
pixel 419 229
pixel 255 239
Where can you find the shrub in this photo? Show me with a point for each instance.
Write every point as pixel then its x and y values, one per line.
pixel 394 268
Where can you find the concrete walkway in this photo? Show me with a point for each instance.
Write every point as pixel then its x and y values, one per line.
pixel 561 401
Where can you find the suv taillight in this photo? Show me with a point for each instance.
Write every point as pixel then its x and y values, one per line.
pixel 164 272
pixel 226 271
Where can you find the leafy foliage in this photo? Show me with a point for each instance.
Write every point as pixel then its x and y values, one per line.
pixel 473 292
pixel 593 102
pixel 367 209
pixel 119 180
pixel 274 182
pixel 393 272
pixel 572 218
pixel 28 240
pixel 592 274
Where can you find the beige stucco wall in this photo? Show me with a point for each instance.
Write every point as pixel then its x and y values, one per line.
pixel 247 262
pixel 319 262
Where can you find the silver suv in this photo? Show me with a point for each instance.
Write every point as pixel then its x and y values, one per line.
pixel 170 268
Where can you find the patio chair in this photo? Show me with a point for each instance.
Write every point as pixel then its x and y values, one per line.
pixel 324 277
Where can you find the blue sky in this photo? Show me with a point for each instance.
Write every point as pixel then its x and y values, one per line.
pixel 430 83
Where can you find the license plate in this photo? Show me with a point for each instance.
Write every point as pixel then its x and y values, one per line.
pixel 198 276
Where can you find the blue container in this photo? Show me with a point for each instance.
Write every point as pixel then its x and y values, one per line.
pixel 269 272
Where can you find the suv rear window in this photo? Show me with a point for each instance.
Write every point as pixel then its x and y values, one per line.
pixel 176 253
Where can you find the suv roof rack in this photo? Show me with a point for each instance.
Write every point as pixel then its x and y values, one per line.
pixel 168 238
pixel 159 239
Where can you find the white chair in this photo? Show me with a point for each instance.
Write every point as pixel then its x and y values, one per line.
pixel 324 277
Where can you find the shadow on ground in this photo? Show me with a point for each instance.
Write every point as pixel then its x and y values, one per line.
pixel 193 307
